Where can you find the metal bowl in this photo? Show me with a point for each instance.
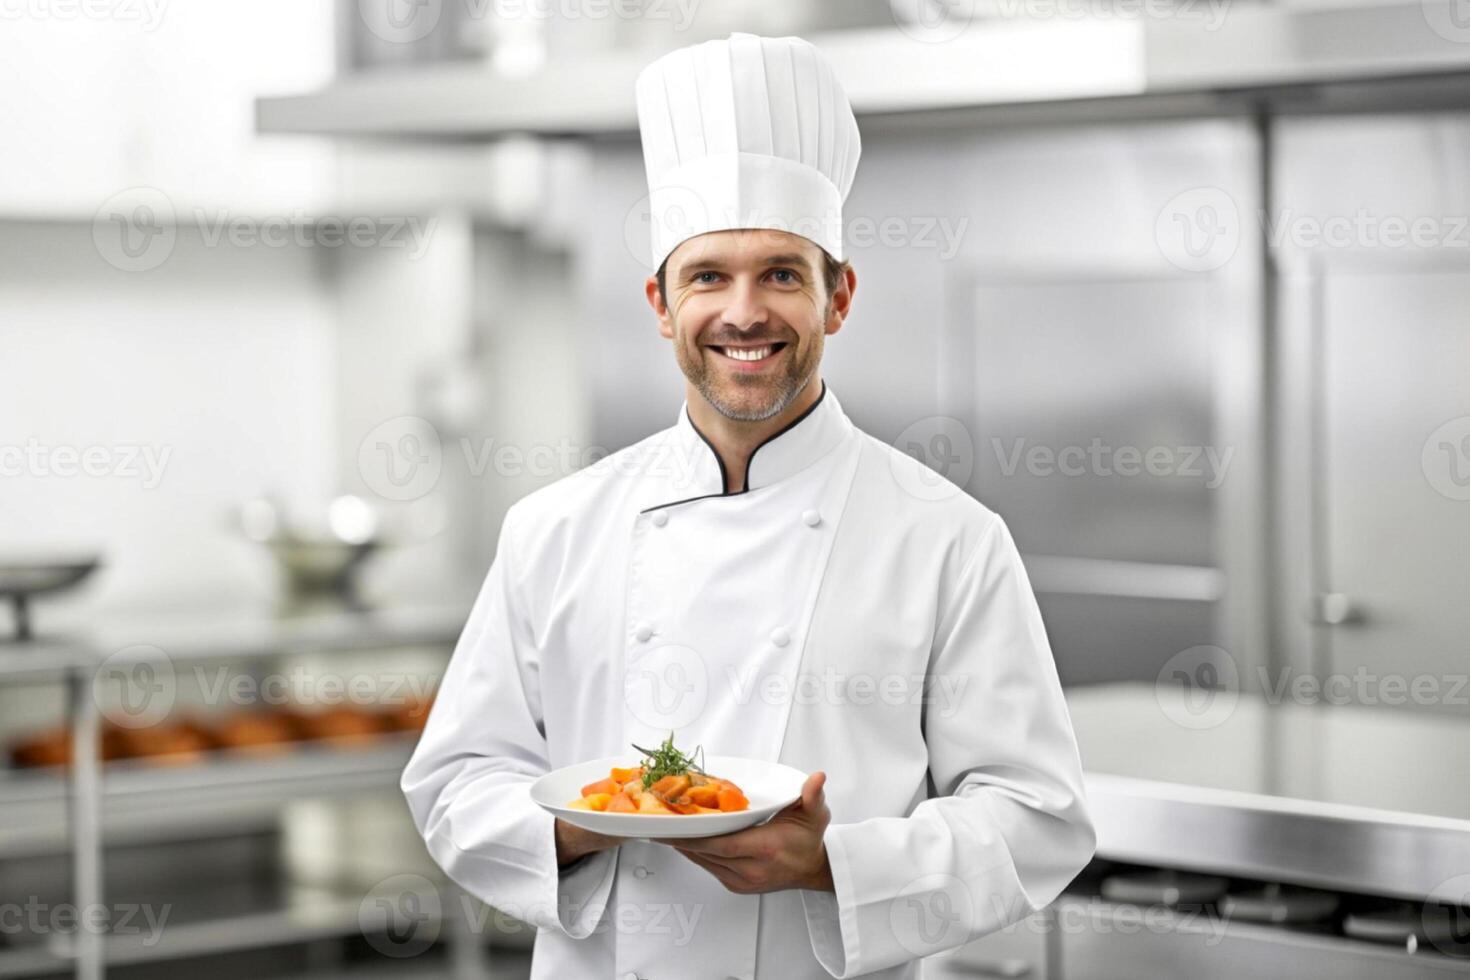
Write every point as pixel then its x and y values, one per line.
pixel 319 553
pixel 20 581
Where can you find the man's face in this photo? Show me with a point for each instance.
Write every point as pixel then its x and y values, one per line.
pixel 747 312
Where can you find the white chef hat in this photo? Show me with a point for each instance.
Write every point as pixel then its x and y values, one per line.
pixel 747 132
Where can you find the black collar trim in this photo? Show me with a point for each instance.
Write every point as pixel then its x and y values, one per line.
pixel 724 474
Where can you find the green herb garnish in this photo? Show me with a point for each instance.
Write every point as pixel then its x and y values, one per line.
pixel 669 761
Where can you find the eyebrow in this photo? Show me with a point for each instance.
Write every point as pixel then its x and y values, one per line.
pixel 708 264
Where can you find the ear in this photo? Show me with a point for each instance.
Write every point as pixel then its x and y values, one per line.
pixel 660 310
pixel 841 303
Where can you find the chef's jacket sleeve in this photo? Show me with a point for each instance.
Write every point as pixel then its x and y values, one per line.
pixel 1007 827
pixel 468 782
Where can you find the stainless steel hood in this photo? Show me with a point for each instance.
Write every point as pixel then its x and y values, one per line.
pixel 1195 55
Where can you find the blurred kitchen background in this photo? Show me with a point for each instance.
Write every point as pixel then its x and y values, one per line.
pixel 296 298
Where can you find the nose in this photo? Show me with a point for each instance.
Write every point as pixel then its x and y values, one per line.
pixel 746 307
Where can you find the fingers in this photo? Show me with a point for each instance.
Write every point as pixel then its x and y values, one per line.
pixel 812 796
pixel 725 875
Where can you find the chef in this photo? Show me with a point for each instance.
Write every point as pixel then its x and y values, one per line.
pixel 765 580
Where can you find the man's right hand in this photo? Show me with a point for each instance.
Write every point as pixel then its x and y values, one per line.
pixel 573 843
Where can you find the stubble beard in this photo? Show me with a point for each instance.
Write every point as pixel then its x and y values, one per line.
pixel 782 390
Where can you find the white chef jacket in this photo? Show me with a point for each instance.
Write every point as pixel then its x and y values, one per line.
pixel 846 610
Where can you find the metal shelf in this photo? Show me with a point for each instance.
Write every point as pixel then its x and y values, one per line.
pixel 30 961
pixel 139 800
pixel 81 808
pixel 240 636
pixel 227 635
pixel 41 663
pixel 300 915
pixel 1174 64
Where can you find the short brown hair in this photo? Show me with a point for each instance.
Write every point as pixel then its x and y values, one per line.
pixel 832 270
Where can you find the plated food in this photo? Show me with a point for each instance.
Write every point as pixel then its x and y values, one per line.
pixel 570 793
pixel 668 782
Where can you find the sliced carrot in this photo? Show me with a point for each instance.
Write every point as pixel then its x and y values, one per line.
pixel 731 799
pixel 705 796
pixel 621 776
pixel 601 786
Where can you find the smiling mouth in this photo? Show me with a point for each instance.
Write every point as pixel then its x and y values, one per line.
pixel 747 354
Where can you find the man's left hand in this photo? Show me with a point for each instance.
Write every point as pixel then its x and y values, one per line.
pixel 786 852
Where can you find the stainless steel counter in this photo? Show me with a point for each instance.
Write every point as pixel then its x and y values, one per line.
pixel 1373 800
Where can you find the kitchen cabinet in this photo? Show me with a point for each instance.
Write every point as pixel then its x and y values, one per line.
pixel 1375 442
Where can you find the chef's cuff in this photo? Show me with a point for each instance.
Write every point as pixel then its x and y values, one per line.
pixel 583 889
pixel 831 916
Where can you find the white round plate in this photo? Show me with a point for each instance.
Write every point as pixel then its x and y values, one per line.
pixel 769 786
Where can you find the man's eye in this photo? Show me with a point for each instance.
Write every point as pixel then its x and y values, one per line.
pixel 785 276
pixel 705 278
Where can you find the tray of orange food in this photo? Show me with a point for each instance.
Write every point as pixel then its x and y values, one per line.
pixel 686 794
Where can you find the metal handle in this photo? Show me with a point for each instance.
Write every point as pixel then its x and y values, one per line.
pixel 1000 969
pixel 1335 609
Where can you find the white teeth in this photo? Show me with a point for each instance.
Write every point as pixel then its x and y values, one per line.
pixel 752 354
